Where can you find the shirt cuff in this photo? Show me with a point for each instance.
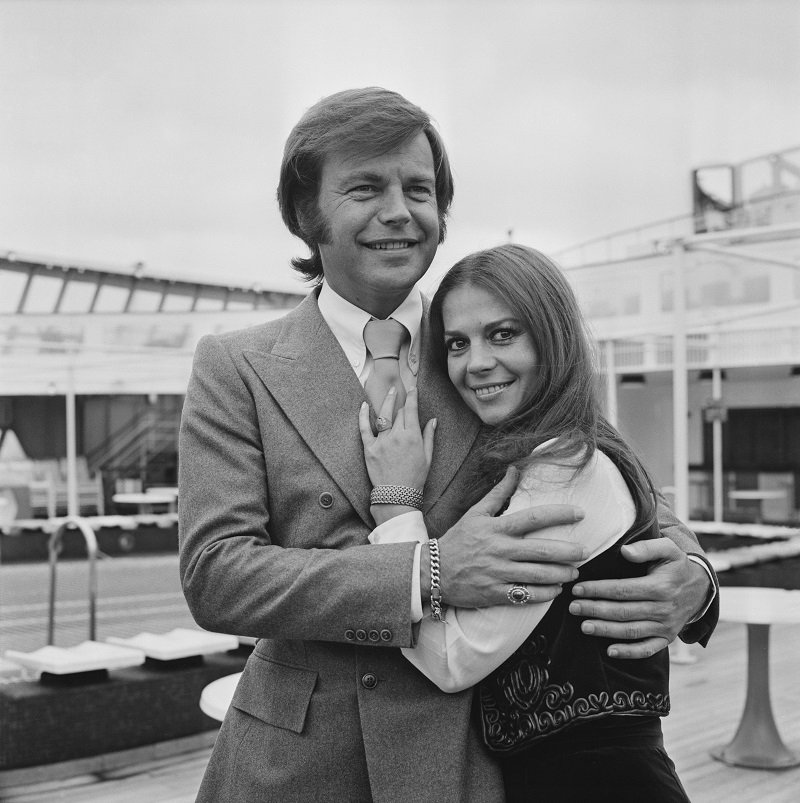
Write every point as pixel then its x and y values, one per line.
pixel 406 527
pixel 713 591
pixel 416 588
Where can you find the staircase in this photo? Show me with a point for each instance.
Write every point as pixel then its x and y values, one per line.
pixel 144 448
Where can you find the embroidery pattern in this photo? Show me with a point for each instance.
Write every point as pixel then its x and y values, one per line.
pixel 519 705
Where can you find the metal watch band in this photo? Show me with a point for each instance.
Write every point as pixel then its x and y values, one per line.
pixel 396 495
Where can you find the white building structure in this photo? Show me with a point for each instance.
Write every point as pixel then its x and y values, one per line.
pixel 94 362
pixel 697 321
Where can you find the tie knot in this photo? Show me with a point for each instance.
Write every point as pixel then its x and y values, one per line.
pixel 384 338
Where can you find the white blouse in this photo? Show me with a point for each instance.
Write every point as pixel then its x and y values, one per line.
pixel 474 641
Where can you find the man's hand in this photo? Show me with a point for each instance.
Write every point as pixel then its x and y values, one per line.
pixel 483 555
pixel 648 612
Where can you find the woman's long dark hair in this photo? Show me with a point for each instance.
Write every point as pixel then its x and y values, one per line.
pixel 564 404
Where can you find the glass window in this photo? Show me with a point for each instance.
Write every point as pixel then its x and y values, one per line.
pixel 78 296
pixel 111 299
pixel 240 301
pixel 11 286
pixel 210 301
pixel 145 300
pixel 43 293
pixel 178 301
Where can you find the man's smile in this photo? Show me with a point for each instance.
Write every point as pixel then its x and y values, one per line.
pixel 391 245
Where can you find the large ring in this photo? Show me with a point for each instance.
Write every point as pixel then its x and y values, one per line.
pixel 382 424
pixel 518 595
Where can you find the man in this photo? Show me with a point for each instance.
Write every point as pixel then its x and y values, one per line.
pixel 275 499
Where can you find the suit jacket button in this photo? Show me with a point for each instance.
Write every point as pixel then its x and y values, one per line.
pixel 325 500
pixel 361 635
pixel 374 635
pixel 386 635
pixel 349 634
pixel 369 680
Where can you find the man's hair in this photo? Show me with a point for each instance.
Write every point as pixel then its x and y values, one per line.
pixel 564 402
pixel 367 122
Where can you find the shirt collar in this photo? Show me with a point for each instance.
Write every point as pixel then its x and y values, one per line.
pixel 347 322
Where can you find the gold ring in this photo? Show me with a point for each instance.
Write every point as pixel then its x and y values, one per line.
pixel 382 424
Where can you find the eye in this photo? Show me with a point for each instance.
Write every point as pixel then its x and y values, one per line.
pixel 504 334
pixel 455 344
pixel 420 191
pixel 362 191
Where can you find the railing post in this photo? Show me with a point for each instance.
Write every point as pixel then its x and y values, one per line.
pixel 53 548
pixel 680 390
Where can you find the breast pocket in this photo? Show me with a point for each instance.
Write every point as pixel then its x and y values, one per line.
pixel 278 694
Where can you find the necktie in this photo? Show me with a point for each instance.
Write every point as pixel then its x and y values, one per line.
pixel 383 340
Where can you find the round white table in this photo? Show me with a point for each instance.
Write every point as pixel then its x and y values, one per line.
pixel 759 495
pixel 145 501
pixel 215 699
pixel 757 742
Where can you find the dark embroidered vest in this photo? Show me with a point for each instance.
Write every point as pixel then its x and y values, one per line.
pixel 560 677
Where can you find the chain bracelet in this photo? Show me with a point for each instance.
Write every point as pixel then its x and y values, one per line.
pixel 437 606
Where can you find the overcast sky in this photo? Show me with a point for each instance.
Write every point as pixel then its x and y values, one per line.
pixel 152 130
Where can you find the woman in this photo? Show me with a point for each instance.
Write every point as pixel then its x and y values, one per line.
pixel 566 721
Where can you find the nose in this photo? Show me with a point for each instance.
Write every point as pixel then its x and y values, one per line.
pixel 481 358
pixel 394 210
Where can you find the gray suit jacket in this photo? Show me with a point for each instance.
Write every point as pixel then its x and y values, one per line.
pixel 274 518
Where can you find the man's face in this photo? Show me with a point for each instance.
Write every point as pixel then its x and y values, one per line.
pixel 383 222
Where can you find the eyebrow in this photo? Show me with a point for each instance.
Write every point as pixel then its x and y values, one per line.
pixel 371 176
pixel 427 178
pixel 489 325
pixel 360 175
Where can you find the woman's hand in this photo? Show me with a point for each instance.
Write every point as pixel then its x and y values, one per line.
pixel 402 454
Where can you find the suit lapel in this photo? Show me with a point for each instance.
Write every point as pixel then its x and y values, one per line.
pixel 457 426
pixel 308 375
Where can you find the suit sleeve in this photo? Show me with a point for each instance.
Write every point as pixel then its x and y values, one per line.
pixel 236 579
pixel 673 528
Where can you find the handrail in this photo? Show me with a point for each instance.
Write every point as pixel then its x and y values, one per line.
pixel 630 230
pixel 53 548
pixel 127 439
pixel 131 427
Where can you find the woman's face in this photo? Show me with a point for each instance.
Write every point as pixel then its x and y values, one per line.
pixel 491 358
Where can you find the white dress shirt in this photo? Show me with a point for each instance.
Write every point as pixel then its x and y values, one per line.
pixel 474 641
pixel 347 323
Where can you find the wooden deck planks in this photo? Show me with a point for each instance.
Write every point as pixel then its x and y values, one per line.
pixel 708 698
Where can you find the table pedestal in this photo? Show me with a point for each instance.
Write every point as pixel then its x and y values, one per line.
pixel 757 742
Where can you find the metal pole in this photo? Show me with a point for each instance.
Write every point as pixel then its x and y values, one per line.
pixel 680 387
pixel 53 548
pixel 716 435
pixel 612 408
pixel 72 468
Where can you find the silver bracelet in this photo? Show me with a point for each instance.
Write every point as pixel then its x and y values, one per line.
pixel 396 495
pixel 437 607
